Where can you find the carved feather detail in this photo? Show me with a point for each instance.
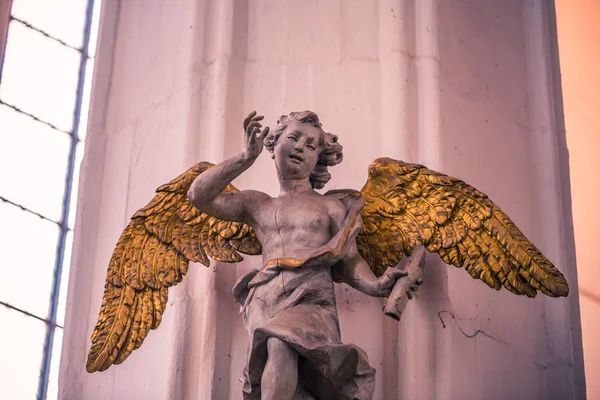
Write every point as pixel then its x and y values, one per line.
pixel 153 254
pixel 407 205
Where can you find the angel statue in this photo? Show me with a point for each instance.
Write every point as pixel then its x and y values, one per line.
pixel 308 241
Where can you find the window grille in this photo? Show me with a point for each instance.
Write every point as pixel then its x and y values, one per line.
pixel 47 51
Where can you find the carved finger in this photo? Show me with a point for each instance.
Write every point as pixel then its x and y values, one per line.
pixel 248 118
pixel 409 294
pixel 265 132
pixel 251 127
pixel 396 274
pixel 414 288
pixel 253 124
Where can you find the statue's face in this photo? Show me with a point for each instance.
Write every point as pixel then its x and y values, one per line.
pixel 297 150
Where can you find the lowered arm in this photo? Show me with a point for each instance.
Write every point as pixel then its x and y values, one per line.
pixel 356 272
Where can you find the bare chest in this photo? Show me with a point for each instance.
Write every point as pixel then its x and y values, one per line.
pixel 295 214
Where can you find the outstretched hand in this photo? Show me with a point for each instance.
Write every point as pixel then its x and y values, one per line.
pixel 254 137
pixel 386 282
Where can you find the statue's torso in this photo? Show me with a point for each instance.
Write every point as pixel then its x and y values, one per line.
pixel 288 225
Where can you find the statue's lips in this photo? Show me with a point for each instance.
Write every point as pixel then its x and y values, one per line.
pixel 296 158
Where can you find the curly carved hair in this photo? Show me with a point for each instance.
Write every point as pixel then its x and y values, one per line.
pixel 331 151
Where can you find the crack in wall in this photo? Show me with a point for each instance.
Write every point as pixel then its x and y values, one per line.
pixel 470 336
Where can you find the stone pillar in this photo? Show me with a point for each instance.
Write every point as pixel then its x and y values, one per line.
pixel 466 87
pixel 578 34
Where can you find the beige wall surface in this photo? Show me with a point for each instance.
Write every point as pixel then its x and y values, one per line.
pixel 578 37
pixel 466 87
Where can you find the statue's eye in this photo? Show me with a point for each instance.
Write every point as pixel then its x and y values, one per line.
pixel 310 146
pixel 293 138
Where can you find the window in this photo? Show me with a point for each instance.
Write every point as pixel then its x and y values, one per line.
pixel 47 52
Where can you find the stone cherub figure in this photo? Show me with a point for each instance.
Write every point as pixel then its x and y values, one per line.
pixel 307 241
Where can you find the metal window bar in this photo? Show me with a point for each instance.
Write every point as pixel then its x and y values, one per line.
pixel 17 109
pixel 29 314
pixel 27 24
pixel 28 210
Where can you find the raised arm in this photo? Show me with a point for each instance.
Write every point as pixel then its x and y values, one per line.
pixel 206 191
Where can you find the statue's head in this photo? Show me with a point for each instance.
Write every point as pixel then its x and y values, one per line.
pixel 301 148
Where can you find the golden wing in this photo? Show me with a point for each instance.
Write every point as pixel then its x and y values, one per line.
pixel 153 254
pixel 407 205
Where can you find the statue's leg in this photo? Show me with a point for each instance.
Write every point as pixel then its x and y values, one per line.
pixel 280 376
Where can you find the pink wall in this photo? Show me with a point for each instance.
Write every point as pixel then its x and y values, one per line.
pixel 578 37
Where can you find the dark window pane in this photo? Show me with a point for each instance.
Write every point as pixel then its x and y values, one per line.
pixel 21 350
pixel 40 76
pixel 63 19
pixel 28 251
pixel 33 161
